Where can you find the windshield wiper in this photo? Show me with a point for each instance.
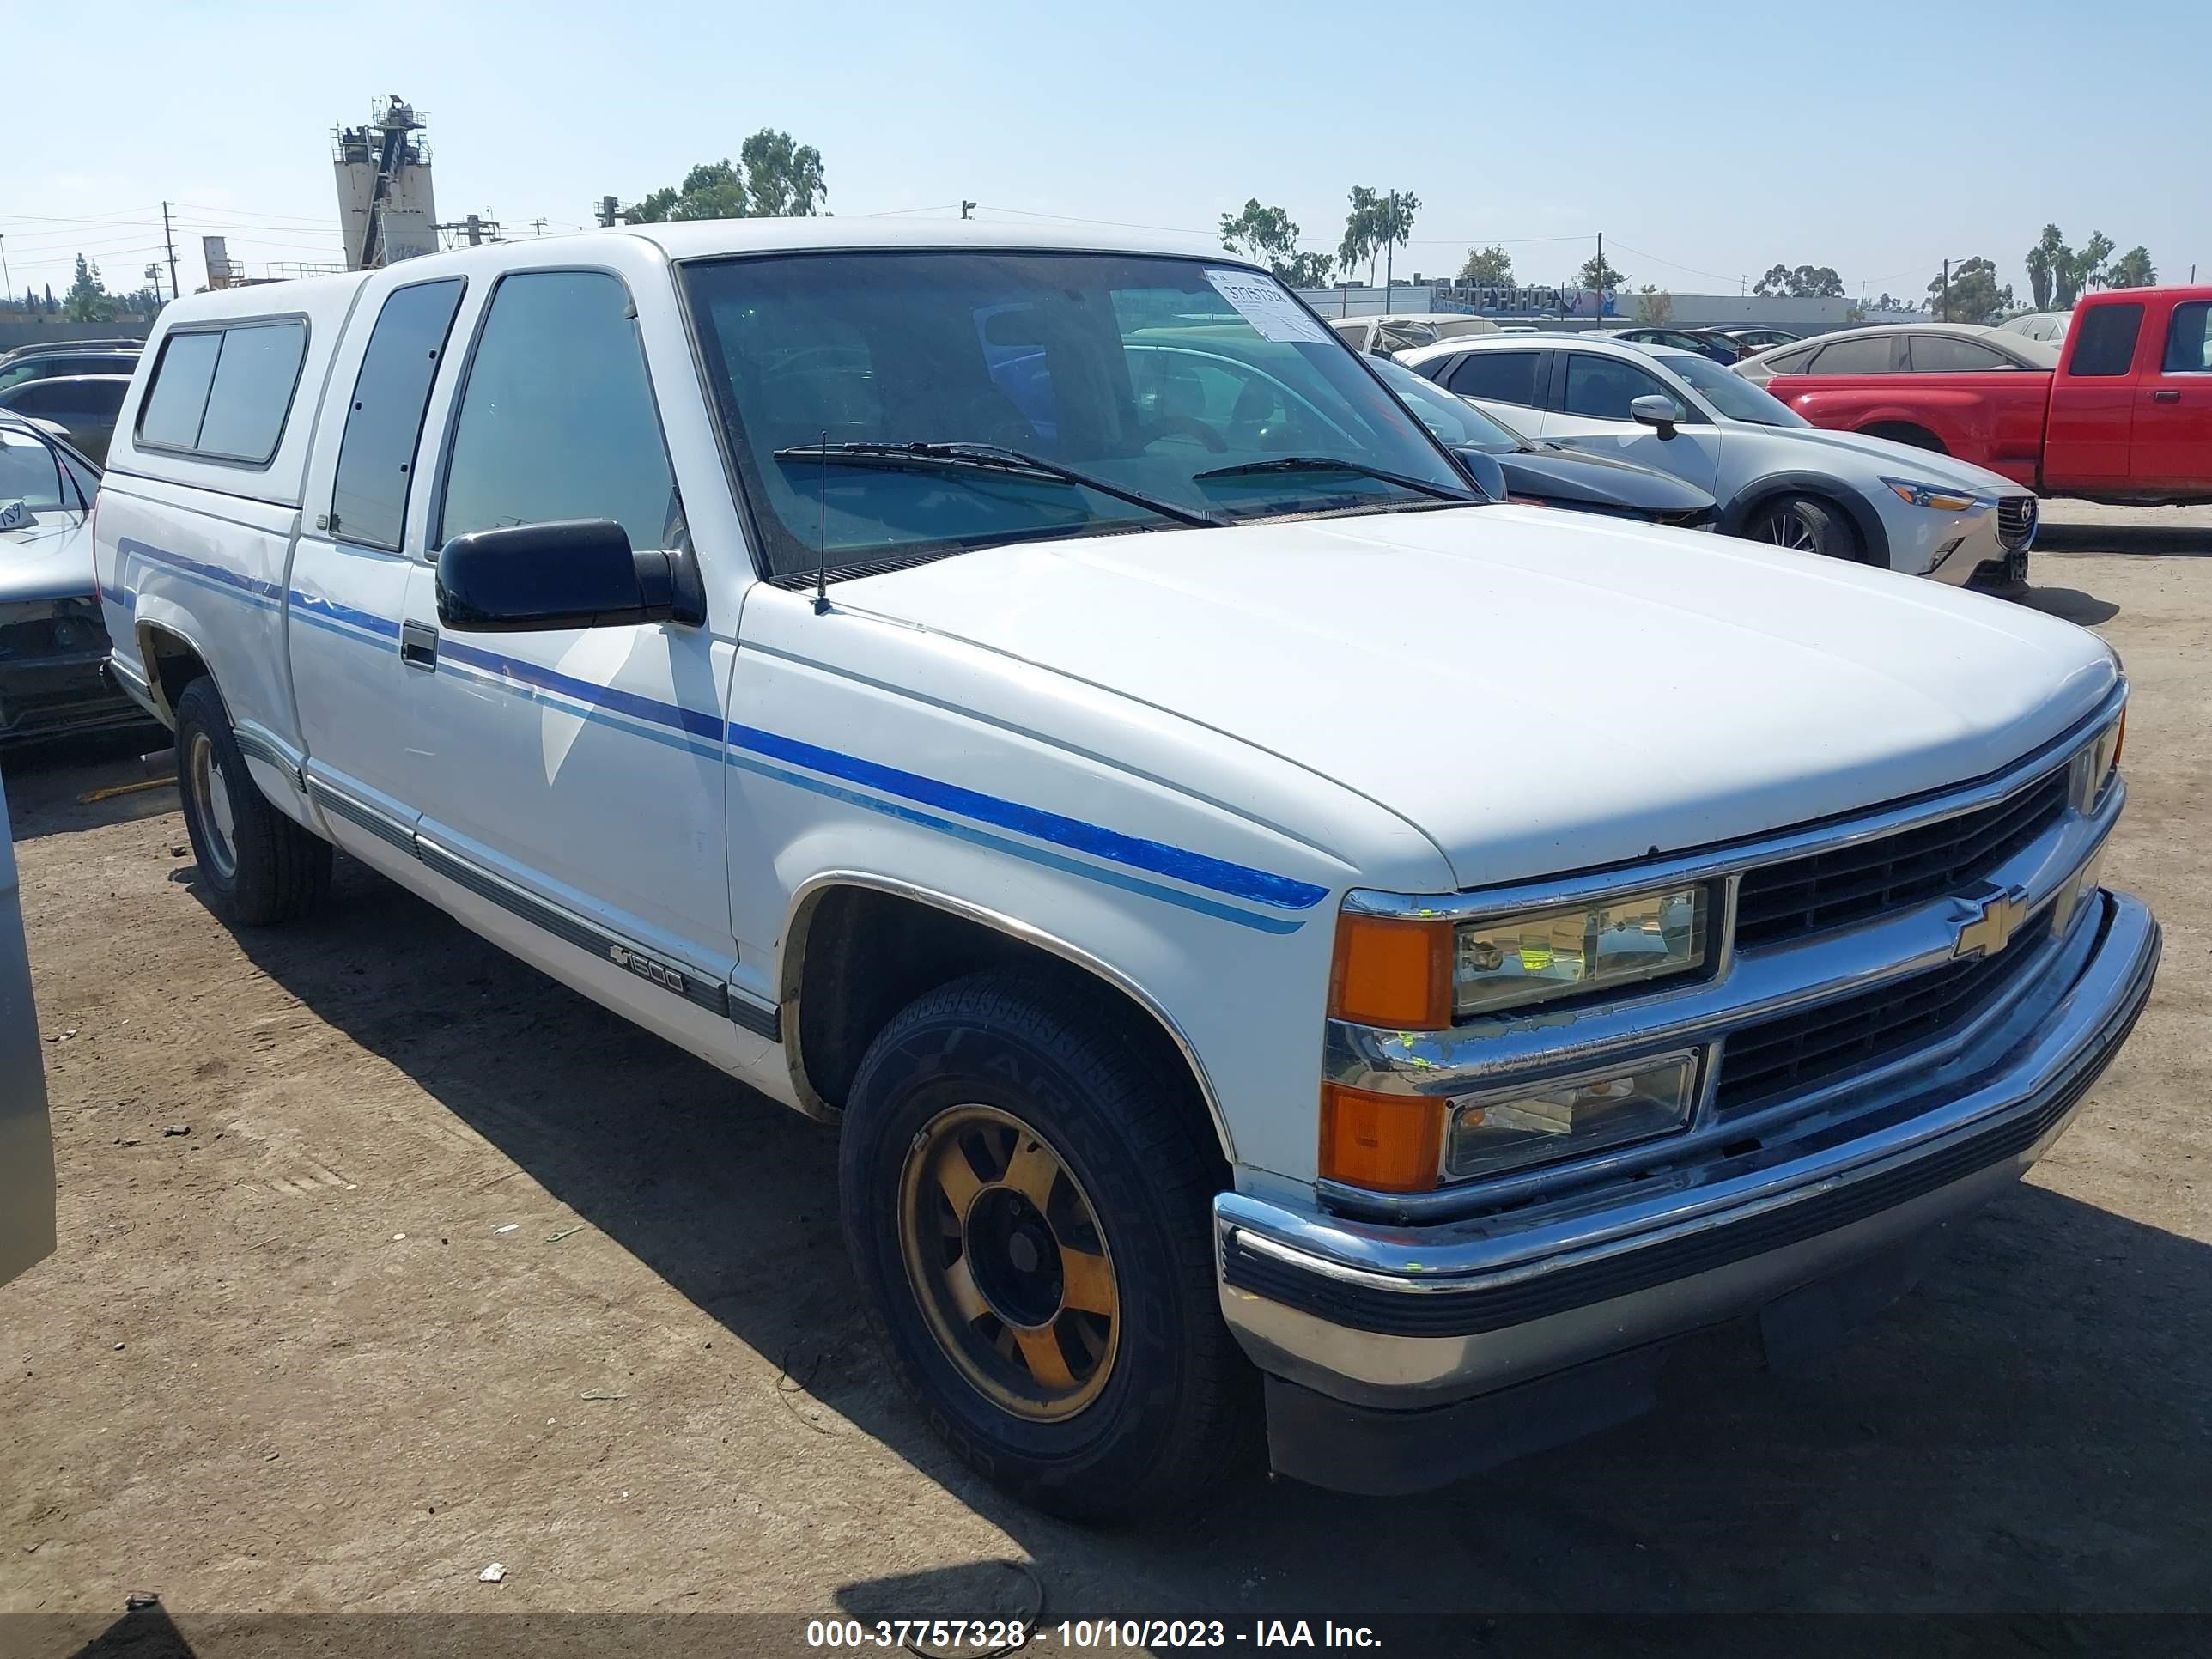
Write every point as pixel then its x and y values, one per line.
pixel 996 457
pixel 1332 464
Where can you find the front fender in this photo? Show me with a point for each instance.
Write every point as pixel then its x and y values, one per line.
pixel 1738 511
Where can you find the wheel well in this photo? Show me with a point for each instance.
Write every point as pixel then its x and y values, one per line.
pixel 858 955
pixel 1874 543
pixel 173 662
pixel 1905 432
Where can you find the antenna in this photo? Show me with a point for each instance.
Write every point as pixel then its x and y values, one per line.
pixel 822 527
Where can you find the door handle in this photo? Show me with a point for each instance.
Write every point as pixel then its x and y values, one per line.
pixel 2166 397
pixel 418 645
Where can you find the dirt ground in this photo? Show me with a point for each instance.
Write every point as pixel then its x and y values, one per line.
pixel 385 1258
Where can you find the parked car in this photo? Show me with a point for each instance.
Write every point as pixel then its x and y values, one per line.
pixel 1383 335
pixel 1126 835
pixel 1759 339
pixel 1549 475
pixel 27 1145
pixel 82 405
pixel 1902 348
pixel 2047 326
pixel 54 646
pixel 35 362
pixel 1776 479
pixel 2120 412
pixel 1704 341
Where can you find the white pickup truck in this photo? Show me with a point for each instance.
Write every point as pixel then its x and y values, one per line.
pixel 1252 908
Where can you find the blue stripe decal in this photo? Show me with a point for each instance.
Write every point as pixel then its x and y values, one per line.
pixel 246 586
pixel 1034 854
pixel 1237 880
pixel 612 707
pixel 707 749
pixel 698 722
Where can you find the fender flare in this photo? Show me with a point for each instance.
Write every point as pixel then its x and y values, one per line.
pixel 1872 536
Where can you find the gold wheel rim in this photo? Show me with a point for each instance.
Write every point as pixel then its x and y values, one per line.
pixel 1008 1261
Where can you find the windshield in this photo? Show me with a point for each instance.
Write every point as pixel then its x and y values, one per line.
pixel 36 474
pixel 1730 393
pixel 1452 419
pixel 1166 379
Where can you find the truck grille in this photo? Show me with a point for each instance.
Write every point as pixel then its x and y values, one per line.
pixel 1809 895
pixel 2015 522
pixel 1797 1051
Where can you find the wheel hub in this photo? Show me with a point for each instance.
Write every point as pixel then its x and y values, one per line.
pixel 211 794
pixel 1008 1263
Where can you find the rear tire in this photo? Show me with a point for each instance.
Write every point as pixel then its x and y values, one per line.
pixel 1012 1164
pixel 1807 524
pixel 256 865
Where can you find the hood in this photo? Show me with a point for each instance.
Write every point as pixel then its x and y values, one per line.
pixel 1903 460
pixel 49 558
pixel 1573 476
pixel 1537 692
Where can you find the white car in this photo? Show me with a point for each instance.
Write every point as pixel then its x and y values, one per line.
pixel 1240 899
pixel 1778 478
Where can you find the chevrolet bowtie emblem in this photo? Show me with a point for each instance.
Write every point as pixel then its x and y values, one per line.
pixel 1988 919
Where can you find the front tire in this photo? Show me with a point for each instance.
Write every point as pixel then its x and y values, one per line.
pixel 1805 524
pixel 1028 1202
pixel 257 864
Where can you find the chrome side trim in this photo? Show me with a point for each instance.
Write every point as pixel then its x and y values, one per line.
pixel 792 972
pixel 255 745
pixel 360 814
pixel 1736 857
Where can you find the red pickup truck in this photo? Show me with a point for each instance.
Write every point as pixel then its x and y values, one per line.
pixel 2126 416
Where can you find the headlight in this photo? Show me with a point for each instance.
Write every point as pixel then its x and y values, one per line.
pixel 1570 1117
pixel 2094 766
pixel 1419 974
pixel 1939 498
pixel 1543 954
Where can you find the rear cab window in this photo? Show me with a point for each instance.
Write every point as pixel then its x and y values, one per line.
pixel 2103 340
pixel 224 394
pixel 384 419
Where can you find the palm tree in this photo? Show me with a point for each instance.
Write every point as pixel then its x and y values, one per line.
pixel 2083 269
pixel 2045 260
pixel 2131 270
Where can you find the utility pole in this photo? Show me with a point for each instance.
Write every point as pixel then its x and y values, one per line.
pixel 538 227
pixel 169 237
pixel 7 283
pixel 967 209
pixel 1943 299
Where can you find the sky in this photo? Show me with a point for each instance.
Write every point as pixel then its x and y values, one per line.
pixel 1707 140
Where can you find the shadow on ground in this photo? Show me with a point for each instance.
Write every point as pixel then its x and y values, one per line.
pixel 47 781
pixel 2027 1432
pixel 2162 540
pixel 2068 604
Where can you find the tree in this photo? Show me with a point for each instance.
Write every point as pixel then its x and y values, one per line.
pixel 773 178
pixel 1804 282
pixel 1653 307
pixel 87 300
pixel 2131 270
pixel 1269 236
pixel 1491 267
pixel 1375 222
pixel 2048 256
pixel 2082 269
pixel 1973 295
pixel 1599 274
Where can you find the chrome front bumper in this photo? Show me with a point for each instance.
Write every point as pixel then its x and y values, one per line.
pixel 1403 1318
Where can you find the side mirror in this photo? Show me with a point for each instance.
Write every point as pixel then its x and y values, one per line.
pixel 1483 472
pixel 1657 411
pixel 573 573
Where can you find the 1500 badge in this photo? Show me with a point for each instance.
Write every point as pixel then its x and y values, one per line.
pixel 646 968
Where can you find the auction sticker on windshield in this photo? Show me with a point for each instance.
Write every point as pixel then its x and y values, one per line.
pixel 1262 302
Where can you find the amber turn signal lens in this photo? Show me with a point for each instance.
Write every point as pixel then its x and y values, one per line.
pixel 1385 1143
pixel 2120 740
pixel 1392 973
